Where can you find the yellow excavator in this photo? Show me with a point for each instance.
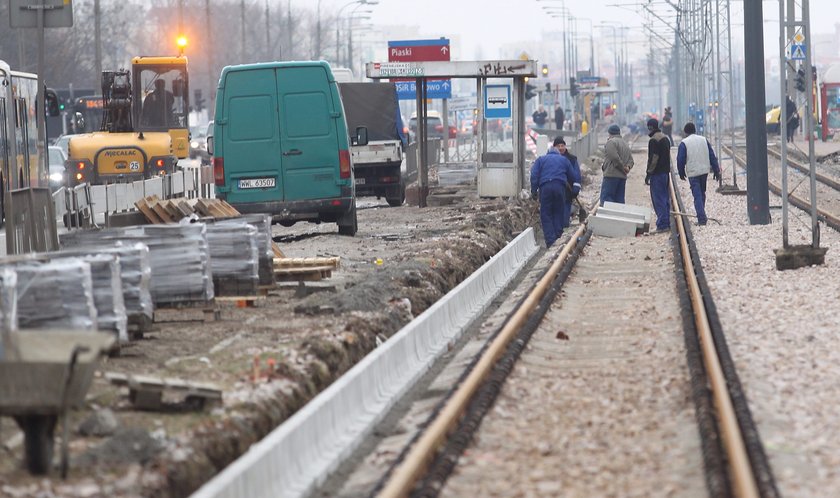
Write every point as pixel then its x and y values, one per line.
pixel 145 127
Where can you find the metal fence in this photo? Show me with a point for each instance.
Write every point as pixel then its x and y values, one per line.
pixel 585 145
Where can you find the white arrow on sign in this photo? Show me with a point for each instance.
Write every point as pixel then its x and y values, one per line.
pixel 445 85
pixel 444 49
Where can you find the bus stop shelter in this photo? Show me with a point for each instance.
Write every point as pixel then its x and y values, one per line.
pixel 499 174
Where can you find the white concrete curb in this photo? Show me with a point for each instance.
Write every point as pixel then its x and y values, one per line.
pixel 299 454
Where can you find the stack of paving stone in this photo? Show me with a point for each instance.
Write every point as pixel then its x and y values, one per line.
pixel 265 254
pixel 233 258
pixel 55 295
pixel 8 306
pixel 107 292
pixel 179 257
pixel 135 275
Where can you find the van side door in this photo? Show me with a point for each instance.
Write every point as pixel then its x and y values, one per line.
pixel 308 133
pixel 251 137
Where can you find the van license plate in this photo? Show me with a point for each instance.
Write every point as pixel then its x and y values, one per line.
pixel 360 181
pixel 257 183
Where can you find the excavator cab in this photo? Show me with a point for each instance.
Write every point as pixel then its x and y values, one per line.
pixel 160 100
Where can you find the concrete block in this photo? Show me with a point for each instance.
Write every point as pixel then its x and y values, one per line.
pixel 630 208
pixel 613 226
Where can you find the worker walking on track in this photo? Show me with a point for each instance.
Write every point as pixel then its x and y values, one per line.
pixel 659 174
pixel 618 161
pixel 572 183
pixel 695 158
pixel 548 177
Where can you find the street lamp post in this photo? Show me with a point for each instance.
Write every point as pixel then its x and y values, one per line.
pixel 350 20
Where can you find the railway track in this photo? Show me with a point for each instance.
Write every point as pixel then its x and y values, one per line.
pixel 830 188
pixel 732 454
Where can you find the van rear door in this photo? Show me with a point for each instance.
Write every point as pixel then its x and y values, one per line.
pixel 308 133
pixel 251 137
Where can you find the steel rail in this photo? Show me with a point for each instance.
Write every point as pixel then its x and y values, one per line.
pixel 831 220
pixel 414 465
pixel 827 180
pixel 741 473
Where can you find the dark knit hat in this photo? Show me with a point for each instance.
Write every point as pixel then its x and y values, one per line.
pixel 558 141
pixel 652 124
pixel 689 128
pixel 614 130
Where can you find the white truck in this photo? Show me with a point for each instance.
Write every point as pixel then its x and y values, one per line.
pixel 377 165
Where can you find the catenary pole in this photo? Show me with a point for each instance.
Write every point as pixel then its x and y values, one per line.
pixel 758 196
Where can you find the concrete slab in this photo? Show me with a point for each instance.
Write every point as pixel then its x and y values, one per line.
pixel 613 226
pixel 630 208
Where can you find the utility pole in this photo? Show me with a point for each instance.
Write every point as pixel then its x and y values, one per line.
pixel 758 201
pixel 289 30
pixel 208 49
pixel 267 32
pixel 242 31
pixel 97 41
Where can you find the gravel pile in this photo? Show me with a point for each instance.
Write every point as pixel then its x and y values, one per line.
pixel 782 331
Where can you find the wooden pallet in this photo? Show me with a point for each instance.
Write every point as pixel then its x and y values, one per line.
pixel 243 301
pixel 159 211
pixel 146 392
pixel 204 311
pixel 304 269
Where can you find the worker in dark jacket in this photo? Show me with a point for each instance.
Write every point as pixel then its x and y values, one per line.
pixel 659 174
pixel 695 158
pixel 548 177
pixel 572 183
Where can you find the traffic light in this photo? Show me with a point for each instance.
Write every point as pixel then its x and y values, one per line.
pixel 198 103
pixel 573 87
pixel 799 80
pixel 544 70
pixel 530 91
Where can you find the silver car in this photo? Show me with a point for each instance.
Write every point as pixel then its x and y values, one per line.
pixel 58 178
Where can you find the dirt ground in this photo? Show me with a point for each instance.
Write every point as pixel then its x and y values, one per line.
pixel 270 359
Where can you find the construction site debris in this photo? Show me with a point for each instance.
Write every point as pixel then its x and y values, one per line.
pixel 146 393
pixel 159 211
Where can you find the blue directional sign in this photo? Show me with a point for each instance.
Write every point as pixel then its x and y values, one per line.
pixel 435 89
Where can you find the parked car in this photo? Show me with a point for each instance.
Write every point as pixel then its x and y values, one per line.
pixel 281 146
pixel 58 177
pixel 198 145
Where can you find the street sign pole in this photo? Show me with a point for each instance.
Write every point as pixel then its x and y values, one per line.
pixel 40 105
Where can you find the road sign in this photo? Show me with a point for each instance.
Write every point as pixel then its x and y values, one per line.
pixel 57 13
pixel 497 101
pixel 467 103
pixel 797 52
pixel 435 89
pixel 420 51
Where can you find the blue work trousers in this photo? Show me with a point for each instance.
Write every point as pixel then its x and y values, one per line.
pixel 698 191
pixel 661 199
pixel 612 189
pixel 567 210
pixel 552 210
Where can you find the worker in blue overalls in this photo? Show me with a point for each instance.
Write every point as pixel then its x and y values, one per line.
pixel 549 175
pixel 572 182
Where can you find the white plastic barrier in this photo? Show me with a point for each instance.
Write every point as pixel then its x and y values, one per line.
pixel 300 454
pixel 116 197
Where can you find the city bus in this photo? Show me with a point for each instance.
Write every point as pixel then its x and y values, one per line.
pixel 87 114
pixel 20 164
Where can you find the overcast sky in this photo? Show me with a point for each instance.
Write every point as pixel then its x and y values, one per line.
pixel 493 23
